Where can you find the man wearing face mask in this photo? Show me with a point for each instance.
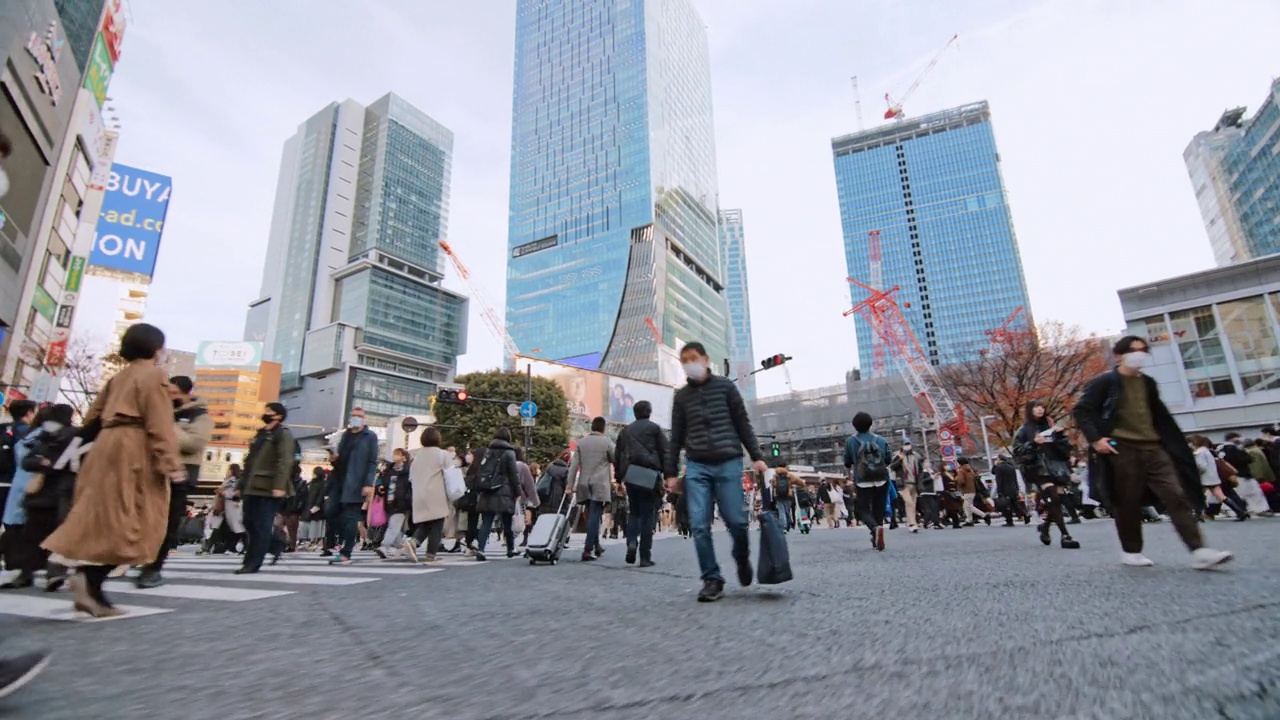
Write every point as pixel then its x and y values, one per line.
pixel 355 467
pixel 908 469
pixel 1136 447
pixel 709 422
pixel 194 427
pixel 267 481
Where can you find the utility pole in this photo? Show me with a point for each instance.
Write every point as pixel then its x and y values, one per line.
pixel 528 385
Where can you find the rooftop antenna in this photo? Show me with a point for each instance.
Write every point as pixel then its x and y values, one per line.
pixel 857 102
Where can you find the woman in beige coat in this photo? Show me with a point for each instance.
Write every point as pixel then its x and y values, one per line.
pixel 430 503
pixel 120 510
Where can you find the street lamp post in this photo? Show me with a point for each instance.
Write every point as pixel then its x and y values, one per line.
pixel 986 439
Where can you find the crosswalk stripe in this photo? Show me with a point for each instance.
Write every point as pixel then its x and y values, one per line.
pixel 292 568
pixel 60 609
pixel 197 592
pixel 262 577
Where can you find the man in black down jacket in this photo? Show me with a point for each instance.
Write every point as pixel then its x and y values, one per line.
pixel 1007 490
pixel 641 448
pixel 709 422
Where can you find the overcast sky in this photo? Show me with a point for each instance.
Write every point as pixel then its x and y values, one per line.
pixel 1093 102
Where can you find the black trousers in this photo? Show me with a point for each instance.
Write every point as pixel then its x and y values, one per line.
pixel 259 521
pixel 177 513
pixel 643 504
pixel 1013 506
pixel 928 503
pixel 40 525
pixel 871 505
pixel 432 531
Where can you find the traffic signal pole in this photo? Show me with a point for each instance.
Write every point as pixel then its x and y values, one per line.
pixel 528 385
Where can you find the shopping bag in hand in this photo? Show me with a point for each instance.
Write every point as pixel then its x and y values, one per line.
pixel 775 562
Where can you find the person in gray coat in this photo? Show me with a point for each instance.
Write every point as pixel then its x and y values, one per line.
pixel 590 474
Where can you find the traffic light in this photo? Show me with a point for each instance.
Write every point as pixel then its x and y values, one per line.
pixel 451 396
pixel 775 449
pixel 774 361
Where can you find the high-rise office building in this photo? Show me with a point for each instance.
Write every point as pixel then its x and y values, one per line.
pixel 352 305
pixel 932 188
pixel 1235 172
pixel 733 258
pixel 613 187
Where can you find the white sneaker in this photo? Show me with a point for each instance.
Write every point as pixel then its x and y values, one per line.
pixel 1205 559
pixel 1136 560
pixel 915 529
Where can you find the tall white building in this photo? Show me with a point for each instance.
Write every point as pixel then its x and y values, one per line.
pixel 352 305
pixel 733 259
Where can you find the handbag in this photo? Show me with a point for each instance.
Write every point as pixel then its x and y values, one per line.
pixel 641 477
pixel 454 484
pixel 774 566
pixel 377 512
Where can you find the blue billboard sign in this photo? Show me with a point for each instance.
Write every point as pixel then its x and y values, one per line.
pixel 131 221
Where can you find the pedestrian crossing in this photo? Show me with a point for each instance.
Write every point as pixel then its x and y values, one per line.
pixel 193 580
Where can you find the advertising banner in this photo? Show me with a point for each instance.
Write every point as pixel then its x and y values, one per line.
pixel 44 304
pixel 113 24
pixel 624 393
pixel 102 171
pixel 75 274
pixel 98 76
pixel 229 354
pixel 56 355
pixel 583 389
pixel 131 221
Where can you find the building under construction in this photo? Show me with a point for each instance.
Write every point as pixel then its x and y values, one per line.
pixel 811 426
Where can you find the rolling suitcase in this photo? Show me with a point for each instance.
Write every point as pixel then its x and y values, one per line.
pixel 550 533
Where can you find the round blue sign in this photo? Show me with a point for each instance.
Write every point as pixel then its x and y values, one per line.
pixel 528 409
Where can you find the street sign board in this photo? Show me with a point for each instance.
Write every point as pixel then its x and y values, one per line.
pixel 944 436
pixel 528 422
pixel 528 409
pixel 513 410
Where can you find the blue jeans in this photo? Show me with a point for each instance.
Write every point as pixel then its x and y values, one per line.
pixel 785 515
pixel 486 529
pixel 720 483
pixel 350 526
pixel 595 510
pixel 259 519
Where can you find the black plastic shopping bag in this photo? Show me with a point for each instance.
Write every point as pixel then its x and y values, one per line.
pixel 775 561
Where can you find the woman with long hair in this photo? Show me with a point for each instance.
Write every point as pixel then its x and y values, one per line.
pixel 1043 450
pixel 1211 479
pixel 120 511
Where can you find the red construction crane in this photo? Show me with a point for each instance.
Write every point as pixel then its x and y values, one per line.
pixel 895 108
pixel 882 313
pixel 491 318
pixel 1006 334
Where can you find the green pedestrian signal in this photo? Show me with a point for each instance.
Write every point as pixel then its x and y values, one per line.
pixel 775 449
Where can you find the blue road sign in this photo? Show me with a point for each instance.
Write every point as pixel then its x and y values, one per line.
pixel 528 409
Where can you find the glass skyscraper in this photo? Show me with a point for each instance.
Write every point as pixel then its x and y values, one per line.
pixel 733 258
pixel 932 187
pixel 352 305
pixel 613 187
pixel 1235 172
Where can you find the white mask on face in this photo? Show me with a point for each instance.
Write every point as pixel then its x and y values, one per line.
pixel 52 425
pixel 4 182
pixel 695 370
pixel 1137 360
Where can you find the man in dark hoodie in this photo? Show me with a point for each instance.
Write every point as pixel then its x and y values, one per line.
pixel 355 468
pixel 709 423
pixel 641 448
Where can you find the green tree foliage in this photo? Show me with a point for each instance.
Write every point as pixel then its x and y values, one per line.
pixel 475 422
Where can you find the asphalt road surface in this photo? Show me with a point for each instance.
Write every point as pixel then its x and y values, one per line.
pixel 972 623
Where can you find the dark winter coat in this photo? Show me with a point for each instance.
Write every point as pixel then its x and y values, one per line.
pixel 1006 480
pixel 642 443
pixel 58 486
pixel 1096 414
pixel 558 472
pixel 315 499
pixel 709 423
pixel 499 458
pixel 1042 462
pixel 355 469
pixel 393 487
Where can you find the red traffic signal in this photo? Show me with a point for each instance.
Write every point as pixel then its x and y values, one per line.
pixel 462 396
pixel 773 361
pixel 449 395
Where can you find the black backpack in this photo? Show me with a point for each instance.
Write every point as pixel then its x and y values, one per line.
pixel 782 487
pixel 871 463
pixel 491 476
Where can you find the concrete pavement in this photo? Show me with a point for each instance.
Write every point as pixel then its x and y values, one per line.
pixel 978 622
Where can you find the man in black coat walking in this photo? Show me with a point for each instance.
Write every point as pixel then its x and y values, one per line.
pixel 1136 447
pixel 1008 492
pixel 641 449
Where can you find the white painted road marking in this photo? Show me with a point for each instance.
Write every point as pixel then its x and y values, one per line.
pixel 197 592
pixel 45 608
pixel 298 579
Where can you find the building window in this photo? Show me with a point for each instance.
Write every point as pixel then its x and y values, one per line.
pixel 1203 356
pixel 1253 343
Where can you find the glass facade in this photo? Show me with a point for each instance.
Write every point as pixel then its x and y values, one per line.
pixel 932 187
pixel 733 258
pixel 384 396
pixel 80 20
pixel 1235 172
pixel 613 185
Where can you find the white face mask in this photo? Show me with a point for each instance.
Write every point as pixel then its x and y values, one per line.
pixel 695 370
pixel 4 182
pixel 1137 360
pixel 52 425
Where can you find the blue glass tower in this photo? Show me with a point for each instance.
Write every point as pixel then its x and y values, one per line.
pixel 613 186
pixel 1235 172
pixel 733 257
pixel 932 187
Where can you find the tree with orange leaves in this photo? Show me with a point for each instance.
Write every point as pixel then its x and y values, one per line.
pixel 1050 366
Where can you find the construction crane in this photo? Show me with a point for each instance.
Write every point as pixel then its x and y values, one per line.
pixel 877 282
pixel 1006 334
pixel 491 318
pixel 895 108
pixel 880 310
